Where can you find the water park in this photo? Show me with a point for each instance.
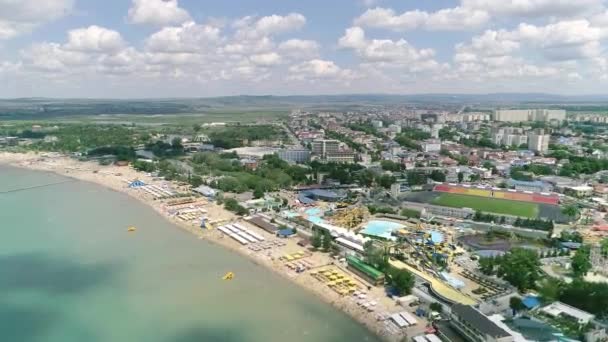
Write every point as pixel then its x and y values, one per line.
pixel 426 250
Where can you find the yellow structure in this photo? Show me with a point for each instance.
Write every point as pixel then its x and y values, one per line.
pixel 131 229
pixel 228 276
pixel 438 286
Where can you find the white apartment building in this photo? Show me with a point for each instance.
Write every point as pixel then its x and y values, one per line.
pixel 538 141
pixel 523 115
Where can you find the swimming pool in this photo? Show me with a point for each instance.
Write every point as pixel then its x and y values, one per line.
pixel 436 237
pixel 314 215
pixel 381 229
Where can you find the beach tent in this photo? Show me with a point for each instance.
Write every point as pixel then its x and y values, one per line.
pixel 136 184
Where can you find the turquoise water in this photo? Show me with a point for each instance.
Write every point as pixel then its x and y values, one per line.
pixel 436 237
pixel 381 228
pixel 69 271
pixel 314 215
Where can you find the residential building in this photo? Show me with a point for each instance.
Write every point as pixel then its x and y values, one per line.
pixel 538 141
pixel 431 145
pixel 323 147
pixel 534 186
pixel 377 123
pixel 340 157
pixel 475 326
pixel 294 155
pixel 523 115
pixel 559 309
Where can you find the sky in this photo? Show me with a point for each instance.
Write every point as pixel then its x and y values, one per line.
pixel 204 48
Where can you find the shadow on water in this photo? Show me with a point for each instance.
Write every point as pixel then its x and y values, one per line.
pixel 45 276
pixel 43 273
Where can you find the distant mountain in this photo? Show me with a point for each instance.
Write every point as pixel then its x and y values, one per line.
pixel 47 107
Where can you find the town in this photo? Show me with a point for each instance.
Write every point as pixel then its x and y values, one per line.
pixel 433 222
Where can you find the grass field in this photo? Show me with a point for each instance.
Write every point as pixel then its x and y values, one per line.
pixel 489 205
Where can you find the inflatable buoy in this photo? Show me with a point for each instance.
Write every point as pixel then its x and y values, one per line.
pixel 131 229
pixel 228 276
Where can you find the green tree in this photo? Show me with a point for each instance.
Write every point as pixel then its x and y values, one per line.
pixel 487 265
pixel 317 239
pixel 521 268
pixel 571 211
pixel 402 280
pixel 460 177
pixel 327 241
pixel 436 307
pixel 516 304
pixel 258 192
pixel 549 290
pixel 580 261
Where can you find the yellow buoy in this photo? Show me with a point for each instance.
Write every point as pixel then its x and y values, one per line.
pixel 131 229
pixel 228 276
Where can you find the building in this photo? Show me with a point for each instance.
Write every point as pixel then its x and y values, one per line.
pixel 579 191
pixel 294 155
pixel 534 186
pixel 377 123
pixel 323 147
pixel 431 145
pixel 475 326
pixel 365 271
pixel 538 141
pixel 523 115
pixel 559 309
pixel 340 157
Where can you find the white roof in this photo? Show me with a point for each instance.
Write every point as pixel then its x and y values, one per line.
pixel 557 308
pixel 350 244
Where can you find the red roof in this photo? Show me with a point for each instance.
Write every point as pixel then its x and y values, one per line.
pixel 602 227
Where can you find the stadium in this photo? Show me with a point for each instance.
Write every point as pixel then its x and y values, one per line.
pixel 497 193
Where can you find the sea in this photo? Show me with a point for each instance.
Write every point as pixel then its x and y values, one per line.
pixel 70 271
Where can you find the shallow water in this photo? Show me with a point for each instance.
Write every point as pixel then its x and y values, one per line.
pixel 69 271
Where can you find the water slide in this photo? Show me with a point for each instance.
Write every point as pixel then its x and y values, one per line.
pixel 437 285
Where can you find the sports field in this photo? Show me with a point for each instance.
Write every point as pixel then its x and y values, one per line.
pixel 489 205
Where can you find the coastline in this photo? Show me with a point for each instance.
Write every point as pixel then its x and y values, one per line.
pixel 115 178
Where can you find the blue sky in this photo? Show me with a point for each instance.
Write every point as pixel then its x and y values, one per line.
pixel 191 48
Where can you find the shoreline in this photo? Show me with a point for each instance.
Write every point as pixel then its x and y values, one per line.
pixel 113 178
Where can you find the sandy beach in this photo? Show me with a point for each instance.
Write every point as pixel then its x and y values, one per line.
pixel 117 178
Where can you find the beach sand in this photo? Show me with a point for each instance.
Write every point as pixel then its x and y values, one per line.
pixel 117 179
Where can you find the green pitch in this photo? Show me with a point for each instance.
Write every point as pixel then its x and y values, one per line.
pixel 488 205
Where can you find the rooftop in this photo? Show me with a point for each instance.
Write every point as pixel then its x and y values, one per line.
pixel 478 320
pixel 558 308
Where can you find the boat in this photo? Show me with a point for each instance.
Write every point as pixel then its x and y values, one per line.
pixel 228 276
pixel 131 229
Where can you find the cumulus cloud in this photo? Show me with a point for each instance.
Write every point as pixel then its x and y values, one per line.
pixel 157 12
pixel 189 37
pixel 471 14
pixel 457 18
pixel 274 24
pixel 317 69
pixel 95 39
pixel 533 8
pixel 299 48
pixel 388 53
pixel 22 16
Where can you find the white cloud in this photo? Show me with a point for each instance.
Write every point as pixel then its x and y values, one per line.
pixel 317 69
pixel 558 41
pixel 299 48
pixel 22 16
pixel 189 37
pixel 157 12
pixel 457 18
pixel 388 53
pixel 533 8
pixel 269 25
pixel 95 39
pixel 266 59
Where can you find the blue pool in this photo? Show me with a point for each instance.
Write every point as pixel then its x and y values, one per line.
pixel 314 215
pixel 381 229
pixel 436 237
